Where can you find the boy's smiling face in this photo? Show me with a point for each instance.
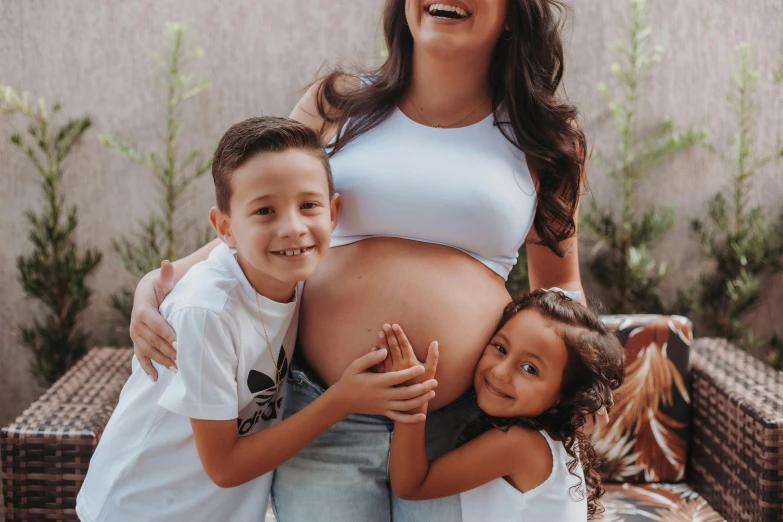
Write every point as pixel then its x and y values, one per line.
pixel 281 219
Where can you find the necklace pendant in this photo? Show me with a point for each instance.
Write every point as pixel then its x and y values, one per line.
pixel 436 125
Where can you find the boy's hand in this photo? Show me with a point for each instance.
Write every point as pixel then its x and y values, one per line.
pixel 360 391
pixel 401 355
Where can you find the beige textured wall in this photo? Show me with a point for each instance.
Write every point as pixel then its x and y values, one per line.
pixel 93 56
pixel 690 85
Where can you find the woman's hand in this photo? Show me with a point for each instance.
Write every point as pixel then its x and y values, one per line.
pixel 360 391
pixel 153 338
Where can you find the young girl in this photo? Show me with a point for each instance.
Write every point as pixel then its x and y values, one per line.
pixel 550 364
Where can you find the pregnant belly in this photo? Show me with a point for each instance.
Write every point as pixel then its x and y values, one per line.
pixel 435 293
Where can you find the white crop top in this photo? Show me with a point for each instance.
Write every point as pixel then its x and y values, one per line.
pixel 468 188
pixel 497 500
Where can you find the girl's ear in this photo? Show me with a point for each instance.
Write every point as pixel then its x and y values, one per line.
pixel 222 225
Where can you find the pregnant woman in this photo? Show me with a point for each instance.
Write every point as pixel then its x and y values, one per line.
pixel 448 157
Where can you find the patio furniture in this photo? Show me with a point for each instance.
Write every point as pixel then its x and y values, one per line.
pixel 45 452
pixel 696 432
pixel 706 446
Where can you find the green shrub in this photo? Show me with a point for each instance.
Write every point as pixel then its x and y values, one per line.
pixel 622 261
pixel 742 242
pixel 55 272
pixel 160 238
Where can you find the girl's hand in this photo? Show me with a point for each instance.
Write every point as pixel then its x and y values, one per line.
pixel 401 355
pixel 360 391
pixel 153 338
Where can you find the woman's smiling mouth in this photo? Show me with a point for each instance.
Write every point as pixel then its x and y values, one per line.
pixel 447 11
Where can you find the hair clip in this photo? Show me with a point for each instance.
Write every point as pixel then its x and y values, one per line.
pixel 571 295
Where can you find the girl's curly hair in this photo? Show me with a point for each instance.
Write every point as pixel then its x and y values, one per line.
pixel 595 367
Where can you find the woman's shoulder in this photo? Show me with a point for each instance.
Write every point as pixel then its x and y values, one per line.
pixel 307 109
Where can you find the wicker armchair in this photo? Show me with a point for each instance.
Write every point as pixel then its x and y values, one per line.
pixel 734 463
pixel 731 456
pixel 45 452
pixel 736 454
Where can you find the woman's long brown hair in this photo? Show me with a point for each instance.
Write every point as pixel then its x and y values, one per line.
pixel 525 74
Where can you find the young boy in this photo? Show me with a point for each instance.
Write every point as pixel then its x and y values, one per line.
pixel 201 443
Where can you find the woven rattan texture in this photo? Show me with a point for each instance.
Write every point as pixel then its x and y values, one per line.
pixel 45 452
pixel 735 460
pixel 736 455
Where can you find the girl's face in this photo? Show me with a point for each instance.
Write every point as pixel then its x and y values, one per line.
pixel 456 25
pixel 520 373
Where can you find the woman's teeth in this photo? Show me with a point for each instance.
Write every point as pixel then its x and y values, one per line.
pixel 447 11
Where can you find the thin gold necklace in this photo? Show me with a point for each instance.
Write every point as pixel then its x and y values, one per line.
pixel 269 344
pixel 266 335
pixel 438 125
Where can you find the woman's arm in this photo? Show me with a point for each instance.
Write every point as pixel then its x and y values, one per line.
pixel 230 460
pixel 546 269
pixel 306 110
pixel 153 338
pixel 181 266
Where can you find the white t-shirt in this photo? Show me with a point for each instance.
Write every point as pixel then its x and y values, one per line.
pixel 146 466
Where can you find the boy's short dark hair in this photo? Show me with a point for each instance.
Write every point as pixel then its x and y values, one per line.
pixel 253 136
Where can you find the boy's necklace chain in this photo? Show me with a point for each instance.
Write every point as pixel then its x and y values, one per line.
pixel 266 335
pixel 268 343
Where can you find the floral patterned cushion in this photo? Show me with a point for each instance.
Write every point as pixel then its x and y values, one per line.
pixel 655 502
pixel 647 435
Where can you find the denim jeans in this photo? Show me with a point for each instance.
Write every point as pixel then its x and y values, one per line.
pixel 343 475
